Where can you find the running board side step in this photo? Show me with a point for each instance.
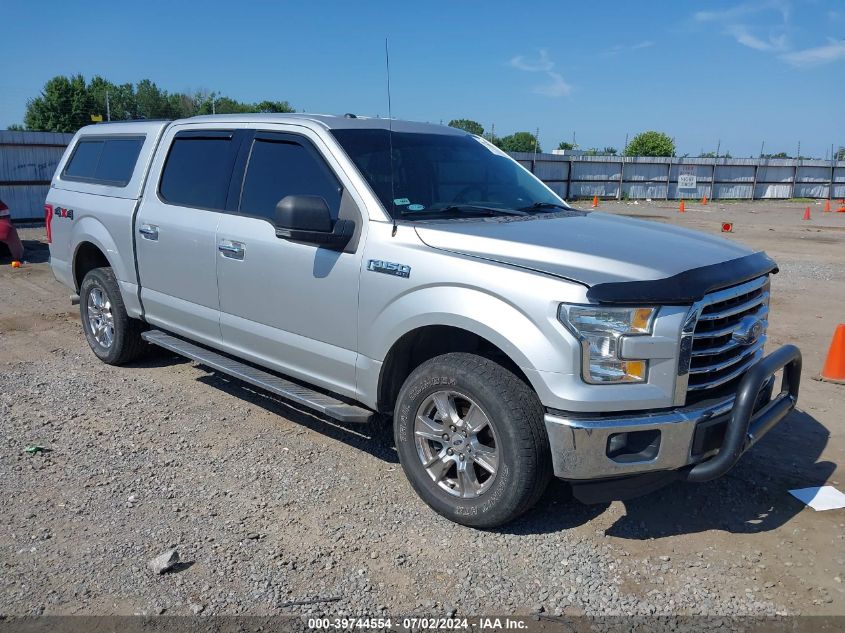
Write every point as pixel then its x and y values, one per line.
pixel 297 394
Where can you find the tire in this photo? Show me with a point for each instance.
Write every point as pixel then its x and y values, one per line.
pixel 119 340
pixel 507 417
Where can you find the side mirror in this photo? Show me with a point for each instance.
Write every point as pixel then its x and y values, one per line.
pixel 308 219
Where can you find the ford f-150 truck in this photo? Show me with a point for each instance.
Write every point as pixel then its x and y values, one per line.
pixel 366 268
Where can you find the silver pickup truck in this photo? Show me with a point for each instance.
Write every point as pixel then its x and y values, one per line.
pixel 365 268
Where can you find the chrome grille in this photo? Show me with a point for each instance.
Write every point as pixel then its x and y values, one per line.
pixel 717 354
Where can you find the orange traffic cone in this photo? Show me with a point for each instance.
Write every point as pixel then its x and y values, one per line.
pixel 841 209
pixel 806 214
pixel 682 208
pixel 834 366
pixel 595 201
pixel 704 201
pixel 827 206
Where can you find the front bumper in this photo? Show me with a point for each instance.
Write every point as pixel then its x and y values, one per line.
pixel 594 448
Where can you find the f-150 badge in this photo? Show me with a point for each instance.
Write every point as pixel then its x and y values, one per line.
pixel 389 268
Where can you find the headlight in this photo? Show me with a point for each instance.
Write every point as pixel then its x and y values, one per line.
pixel 600 331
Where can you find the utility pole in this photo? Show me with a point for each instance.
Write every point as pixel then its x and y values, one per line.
pixel 536 143
pixel 718 147
pixel 762 145
pixel 108 108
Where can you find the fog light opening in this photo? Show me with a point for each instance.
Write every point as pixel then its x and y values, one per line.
pixel 634 446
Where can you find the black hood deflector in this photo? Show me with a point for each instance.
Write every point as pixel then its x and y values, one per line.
pixel 686 287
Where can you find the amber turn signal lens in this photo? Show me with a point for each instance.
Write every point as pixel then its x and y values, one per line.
pixel 640 319
pixel 635 369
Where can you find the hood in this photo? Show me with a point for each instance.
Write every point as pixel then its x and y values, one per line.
pixel 594 248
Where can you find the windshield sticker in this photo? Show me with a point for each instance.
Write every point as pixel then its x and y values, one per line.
pixel 415 207
pixel 401 202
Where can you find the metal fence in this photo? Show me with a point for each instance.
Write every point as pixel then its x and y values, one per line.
pixel 28 160
pixel 27 163
pixel 657 178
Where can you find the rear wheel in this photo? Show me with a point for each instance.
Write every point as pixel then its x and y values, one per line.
pixel 114 337
pixel 471 439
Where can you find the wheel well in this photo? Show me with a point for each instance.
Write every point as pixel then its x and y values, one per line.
pixel 88 257
pixel 422 344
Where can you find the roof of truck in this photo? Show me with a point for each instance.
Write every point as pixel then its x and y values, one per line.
pixel 329 121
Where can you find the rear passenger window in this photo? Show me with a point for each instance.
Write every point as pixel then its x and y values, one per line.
pixel 104 160
pixel 279 168
pixel 198 170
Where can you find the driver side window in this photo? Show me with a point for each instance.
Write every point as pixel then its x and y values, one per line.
pixel 280 167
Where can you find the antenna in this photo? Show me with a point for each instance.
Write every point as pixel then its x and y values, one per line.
pixel 390 137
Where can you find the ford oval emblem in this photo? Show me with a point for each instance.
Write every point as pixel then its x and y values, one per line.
pixel 748 331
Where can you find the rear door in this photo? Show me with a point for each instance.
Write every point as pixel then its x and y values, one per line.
pixel 176 227
pixel 287 305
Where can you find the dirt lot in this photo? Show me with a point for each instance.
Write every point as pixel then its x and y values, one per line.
pixel 270 506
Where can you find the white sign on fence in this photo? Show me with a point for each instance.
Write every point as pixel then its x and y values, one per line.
pixel 686 177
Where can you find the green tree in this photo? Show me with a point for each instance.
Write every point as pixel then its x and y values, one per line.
pixel 121 99
pixel 63 106
pixel 67 103
pixel 273 107
pixel 183 105
pixel 651 143
pixel 15 127
pixel 521 142
pixel 223 105
pixel 468 125
pixel 566 145
pixel 212 103
pixel 152 102
pixel 610 151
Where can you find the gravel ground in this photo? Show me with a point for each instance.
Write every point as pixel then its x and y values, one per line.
pixel 269 506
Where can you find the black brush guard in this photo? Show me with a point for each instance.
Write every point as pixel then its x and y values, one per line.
pixel 746 426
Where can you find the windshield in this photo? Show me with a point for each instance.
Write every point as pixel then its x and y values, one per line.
pixel 443 174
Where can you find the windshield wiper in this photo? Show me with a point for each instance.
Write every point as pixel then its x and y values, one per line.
pixel 545 205
pixel 465 209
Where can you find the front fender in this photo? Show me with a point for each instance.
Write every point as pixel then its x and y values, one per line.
pixel 501 323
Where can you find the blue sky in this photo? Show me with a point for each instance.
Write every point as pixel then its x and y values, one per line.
pixel 739 72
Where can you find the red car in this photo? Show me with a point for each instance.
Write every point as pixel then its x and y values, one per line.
pixel 8 234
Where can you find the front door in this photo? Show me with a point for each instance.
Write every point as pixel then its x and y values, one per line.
pixel 286 305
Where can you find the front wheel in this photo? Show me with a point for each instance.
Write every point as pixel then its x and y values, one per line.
pixel 471 440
